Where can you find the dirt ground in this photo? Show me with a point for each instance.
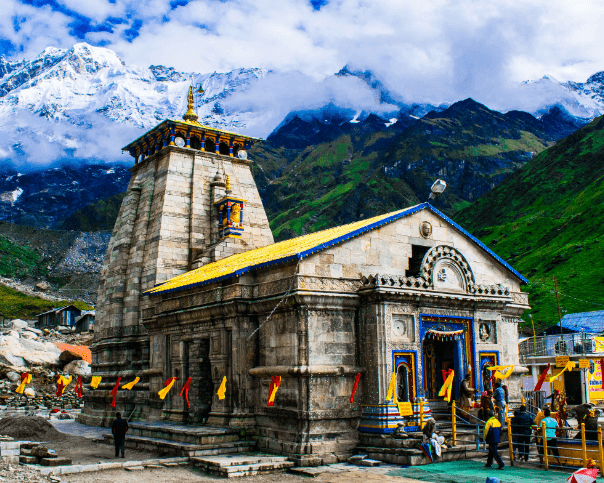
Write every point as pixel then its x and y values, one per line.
pixel 188 475
pixel 85 451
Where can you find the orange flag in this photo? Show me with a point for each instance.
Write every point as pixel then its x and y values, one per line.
pixel 272 392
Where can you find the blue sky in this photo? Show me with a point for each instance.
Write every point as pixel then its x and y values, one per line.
pixel 458 48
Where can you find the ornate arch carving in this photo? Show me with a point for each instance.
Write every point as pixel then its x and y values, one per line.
pixel 447 257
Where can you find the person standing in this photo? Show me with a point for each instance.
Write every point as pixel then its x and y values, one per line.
pixel 521 427
pixel 492 436
pixel 119 430
pixel 499 397
pixel 466 391
pixel 550 433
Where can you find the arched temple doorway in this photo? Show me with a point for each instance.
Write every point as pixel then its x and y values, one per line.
pixel 439 355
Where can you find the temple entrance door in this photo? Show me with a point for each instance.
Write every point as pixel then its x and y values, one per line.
pixel 487 360
pixel 439 356
pixel 203 385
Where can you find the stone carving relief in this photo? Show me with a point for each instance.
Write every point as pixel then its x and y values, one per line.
pixel 403 328
pixel 445 267
pixel 487 331
pixel 425 229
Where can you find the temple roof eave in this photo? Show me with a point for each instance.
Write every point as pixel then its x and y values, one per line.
pixel 188 124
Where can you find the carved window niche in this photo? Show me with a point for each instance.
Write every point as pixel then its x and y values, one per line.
pixel 487 331
pixel 230 217
pixel 403 328
pixel 448 276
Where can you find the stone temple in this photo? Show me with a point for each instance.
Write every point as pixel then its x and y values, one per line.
pixel 193 285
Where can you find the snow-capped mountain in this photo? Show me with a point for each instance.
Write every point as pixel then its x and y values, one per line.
pixel 583 100
pixel 64 84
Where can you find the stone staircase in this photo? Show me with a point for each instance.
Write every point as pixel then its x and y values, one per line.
pixel 385 448
pixel 243 465
pixel 181 440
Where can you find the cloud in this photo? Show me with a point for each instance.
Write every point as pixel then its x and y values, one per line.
pixel 278 94
pixel 433 51
pixel 29 142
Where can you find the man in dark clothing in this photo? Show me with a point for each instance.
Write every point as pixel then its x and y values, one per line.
pixel 521 427
pixel 119 430
pixel 492 436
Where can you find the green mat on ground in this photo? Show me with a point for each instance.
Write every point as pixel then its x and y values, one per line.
pixel 468 471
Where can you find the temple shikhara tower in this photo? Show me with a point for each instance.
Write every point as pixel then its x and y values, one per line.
pixel 194 286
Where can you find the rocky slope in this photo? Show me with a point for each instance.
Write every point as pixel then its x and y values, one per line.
pixel 547 219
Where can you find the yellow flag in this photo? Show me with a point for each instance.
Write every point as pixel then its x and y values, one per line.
pixel 164 392
pixel 392 387
pixel 24 382
pixel 222 389
pixel 130 385
pixel 501 375
pixel 447 387
pixel 96 380
pixel 66 381
pixel 569 367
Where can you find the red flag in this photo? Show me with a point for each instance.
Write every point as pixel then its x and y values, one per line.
pixel 185 388
pixel 542 378
pixel 114 391
pixel 78 387
pixel 59 392
pixel 356 385
pixel 272 391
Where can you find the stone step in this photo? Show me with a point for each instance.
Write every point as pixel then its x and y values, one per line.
pixel 182 449
pixel 415 457
pixel 244 465
pixel 186 434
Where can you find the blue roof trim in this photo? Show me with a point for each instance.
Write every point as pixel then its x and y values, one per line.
pixel 341 239
pixel 478 242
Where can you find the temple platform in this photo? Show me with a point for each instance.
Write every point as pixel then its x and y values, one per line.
pixel 168 438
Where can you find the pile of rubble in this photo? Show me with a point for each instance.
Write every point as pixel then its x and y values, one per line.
pixel 24 349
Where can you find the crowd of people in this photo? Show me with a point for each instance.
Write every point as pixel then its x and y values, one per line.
pixel 549 423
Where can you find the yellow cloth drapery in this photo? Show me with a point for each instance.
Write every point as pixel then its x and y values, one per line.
pixel 222 389
pixel 447 387
pixel 500 375
pixel 96 380
pixel 130 385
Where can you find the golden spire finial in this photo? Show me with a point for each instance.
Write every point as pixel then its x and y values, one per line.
pixel 228 184
pixel 190 115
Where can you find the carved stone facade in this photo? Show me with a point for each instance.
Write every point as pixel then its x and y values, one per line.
pixel 414 296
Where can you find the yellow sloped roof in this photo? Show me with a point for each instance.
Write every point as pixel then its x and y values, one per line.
pixel 284 251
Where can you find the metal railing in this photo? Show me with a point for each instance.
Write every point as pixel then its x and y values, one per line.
pixel 534 401
pixel 557 345
pixel 465 423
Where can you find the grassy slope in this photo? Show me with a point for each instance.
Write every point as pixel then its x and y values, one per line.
pixel 17 305
pixel 97 216
pixel 21 262
pixel 547 219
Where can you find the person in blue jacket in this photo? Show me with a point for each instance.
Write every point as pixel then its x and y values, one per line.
pixel 499 397
pixel 492 436
pixel 521 428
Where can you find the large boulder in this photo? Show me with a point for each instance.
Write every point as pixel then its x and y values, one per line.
pixel 78 368
pixel 34 330
pixel 67 356
pixel 31 351
pixel 26 334
pixel 19 324
pixel 42 286
pixel 13 377
pixel 64 329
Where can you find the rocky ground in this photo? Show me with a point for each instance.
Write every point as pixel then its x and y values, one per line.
pixel 24 349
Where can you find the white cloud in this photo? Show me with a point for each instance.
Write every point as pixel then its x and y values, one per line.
pixel 432 51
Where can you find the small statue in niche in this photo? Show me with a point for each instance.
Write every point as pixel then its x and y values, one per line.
pixel 425 229
pixel 236 215
pixel 484 332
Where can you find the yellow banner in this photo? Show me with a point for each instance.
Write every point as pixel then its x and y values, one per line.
pixel 599 344
pixel 596 391
pixel 130 385
pixel 584 363
pixel 561 361
pixel 405 409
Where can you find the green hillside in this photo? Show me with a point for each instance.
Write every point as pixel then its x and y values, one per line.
pixel 547 220
pixel 364 173
pixel 97 216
